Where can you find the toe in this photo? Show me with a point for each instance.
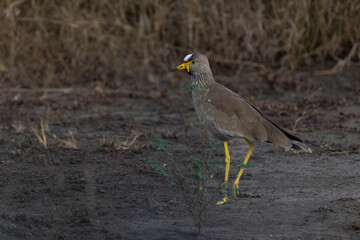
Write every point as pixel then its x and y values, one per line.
pixel 222 201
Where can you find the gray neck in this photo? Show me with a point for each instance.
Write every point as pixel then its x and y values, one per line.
pixel 202 79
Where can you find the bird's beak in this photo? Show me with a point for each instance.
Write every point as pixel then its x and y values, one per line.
pixel 183 66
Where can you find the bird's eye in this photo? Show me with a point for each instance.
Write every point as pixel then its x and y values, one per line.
pixel 192 62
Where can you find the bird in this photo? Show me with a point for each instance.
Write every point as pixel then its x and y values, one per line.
pixel 227 115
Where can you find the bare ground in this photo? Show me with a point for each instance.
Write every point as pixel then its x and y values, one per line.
pixel 103 189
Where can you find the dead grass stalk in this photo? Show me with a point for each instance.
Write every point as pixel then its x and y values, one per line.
pixel 63 43
pixel 40 133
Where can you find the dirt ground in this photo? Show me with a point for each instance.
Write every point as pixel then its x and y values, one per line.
pixel 103 190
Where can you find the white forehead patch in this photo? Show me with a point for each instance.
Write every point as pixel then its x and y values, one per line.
pixel 188 57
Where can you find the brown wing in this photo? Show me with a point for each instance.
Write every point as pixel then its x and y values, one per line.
pixel 235 117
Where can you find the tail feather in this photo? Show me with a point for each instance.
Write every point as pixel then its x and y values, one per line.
pixel 296 147
pixel 301 147
pixel 290 136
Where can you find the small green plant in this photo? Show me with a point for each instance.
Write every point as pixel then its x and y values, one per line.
pixel 209 111
pixel 24 143
pixel 196 87
pixel 198 187
pixel 192 86
pixel 160 168
pixel 216 145
pixel 197 190
pixel 69 213
pixel 204 167
pixel 159 144
pixel 16 152
pixel 248 165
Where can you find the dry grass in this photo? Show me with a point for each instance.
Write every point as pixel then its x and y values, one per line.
pixel 109 143
pixel 18 126
pixel 115 143
pixel 63 43
pixel 64 143
pixel 40 133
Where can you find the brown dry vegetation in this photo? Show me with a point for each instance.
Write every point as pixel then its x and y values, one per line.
pixel 63 43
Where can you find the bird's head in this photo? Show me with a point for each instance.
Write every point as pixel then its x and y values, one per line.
pixel 195 63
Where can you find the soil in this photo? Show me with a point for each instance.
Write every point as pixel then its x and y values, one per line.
pixel 103 188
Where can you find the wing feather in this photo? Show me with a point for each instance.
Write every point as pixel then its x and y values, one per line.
pixel 233 116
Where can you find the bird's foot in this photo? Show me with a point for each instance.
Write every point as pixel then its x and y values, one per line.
pixel 222 201
pixel 223 196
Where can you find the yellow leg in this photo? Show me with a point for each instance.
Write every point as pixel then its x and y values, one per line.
pixel 236 183
pixel 227 161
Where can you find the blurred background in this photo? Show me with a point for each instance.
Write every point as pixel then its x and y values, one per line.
pixel 129 43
